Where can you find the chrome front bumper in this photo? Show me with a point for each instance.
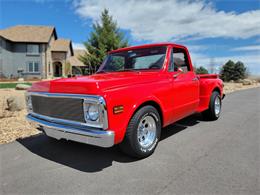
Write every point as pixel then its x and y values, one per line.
pixel 100 138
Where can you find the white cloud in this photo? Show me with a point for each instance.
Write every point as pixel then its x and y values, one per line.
pixel 181 21
pixel 248 48
pixel 78 46
pixel 172 19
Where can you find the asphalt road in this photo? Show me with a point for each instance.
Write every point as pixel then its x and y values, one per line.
pixel 193 157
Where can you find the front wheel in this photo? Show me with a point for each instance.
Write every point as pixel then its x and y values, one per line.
pixel 214 110
pixel 143 133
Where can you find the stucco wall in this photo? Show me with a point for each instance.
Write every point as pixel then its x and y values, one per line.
pixel 14 57
pixel 49 72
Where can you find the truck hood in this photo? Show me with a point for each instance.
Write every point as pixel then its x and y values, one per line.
pixel 95 84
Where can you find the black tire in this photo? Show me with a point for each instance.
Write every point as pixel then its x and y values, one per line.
pixel 131 145
pixel 210 113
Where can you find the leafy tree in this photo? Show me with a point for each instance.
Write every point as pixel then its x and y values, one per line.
pixel 105 37
pixel 233 71
pixel 201 70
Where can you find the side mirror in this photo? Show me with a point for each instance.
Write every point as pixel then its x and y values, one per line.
pixel 179 72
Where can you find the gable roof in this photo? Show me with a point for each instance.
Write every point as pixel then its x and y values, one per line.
pixel 62 45
pixel 28 33
pixel 74 60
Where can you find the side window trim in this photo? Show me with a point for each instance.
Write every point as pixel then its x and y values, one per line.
pixel 171 62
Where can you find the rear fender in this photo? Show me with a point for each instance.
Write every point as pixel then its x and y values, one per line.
pixel 207 86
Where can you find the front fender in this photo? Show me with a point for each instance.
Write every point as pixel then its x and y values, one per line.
pixel 131 99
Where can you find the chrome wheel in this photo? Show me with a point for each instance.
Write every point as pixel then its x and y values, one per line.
pixel 146 131
pixel 217 105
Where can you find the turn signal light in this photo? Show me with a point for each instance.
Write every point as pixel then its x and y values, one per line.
pixel 118 109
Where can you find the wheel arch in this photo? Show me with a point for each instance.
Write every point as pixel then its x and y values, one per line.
pixel 153 103
pixel 217 89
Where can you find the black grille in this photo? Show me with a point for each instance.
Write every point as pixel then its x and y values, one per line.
pixel 61 108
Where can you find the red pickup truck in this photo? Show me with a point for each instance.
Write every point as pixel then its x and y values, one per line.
pixel 135 93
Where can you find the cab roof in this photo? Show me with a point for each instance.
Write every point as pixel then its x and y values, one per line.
pixel 147 46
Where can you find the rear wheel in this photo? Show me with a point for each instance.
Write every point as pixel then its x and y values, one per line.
pixel 143 133
pixel 214 110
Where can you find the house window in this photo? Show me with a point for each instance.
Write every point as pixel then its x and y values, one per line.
pixel 33 67
pixel 33 49
pixel 1 45
pixel 49 67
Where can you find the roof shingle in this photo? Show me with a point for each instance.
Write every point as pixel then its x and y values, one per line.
pixel 74 60
pixel 61 45
pixel 27 33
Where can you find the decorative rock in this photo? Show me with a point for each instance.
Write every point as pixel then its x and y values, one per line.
pixel 15 103
pixel 21 80
pixel 22 87
pixel 247 82
pixel 239 81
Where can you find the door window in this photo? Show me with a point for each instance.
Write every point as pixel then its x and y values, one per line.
pixel 180 60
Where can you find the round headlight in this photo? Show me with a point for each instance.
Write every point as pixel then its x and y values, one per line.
pixel 93 112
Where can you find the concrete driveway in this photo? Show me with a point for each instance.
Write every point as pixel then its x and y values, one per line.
pixel 193 157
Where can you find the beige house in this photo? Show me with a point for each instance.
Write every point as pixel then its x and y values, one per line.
pixel 36 52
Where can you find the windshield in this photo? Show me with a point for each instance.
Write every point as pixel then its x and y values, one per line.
pixel 136 59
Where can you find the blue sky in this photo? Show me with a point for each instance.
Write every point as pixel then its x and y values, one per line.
pixel 214 31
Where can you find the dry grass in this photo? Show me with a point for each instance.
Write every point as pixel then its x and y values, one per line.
pixel 231 87
pixel 13 124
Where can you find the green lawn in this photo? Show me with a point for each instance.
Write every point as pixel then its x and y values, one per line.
pixel 11 85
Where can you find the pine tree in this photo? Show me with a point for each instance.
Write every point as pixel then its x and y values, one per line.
pixel 240 72
pixel 105 37
pixel 227 71
pixel 201 70
pixel 233 71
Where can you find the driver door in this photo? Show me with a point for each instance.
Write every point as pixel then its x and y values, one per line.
pixel 185 84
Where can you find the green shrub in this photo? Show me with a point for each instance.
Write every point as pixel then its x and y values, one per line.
pixel 201 70
pixel 233 71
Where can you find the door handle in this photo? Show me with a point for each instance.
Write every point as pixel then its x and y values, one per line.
pixel 195 79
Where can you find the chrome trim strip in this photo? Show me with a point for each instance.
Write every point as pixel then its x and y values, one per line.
pixel 103 119
pixel 60 121
pixel 93 137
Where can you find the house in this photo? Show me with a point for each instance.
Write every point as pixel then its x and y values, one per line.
pixel 77 66
pixel 34 52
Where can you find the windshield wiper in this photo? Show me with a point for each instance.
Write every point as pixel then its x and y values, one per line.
pixel 101 71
